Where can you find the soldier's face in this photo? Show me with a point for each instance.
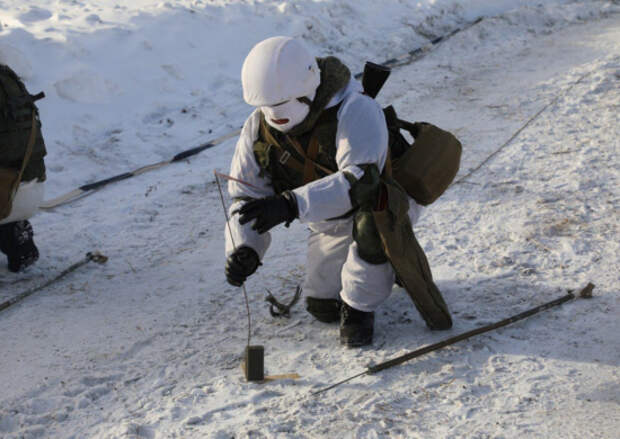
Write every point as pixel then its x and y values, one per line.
pixel 285 115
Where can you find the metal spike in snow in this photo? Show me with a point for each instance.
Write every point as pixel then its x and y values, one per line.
pixel 90 188
pixel 585 293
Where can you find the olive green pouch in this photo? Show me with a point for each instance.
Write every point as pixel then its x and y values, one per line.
pixel 408 259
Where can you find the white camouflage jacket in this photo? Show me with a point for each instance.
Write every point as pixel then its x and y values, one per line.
pixel 361 138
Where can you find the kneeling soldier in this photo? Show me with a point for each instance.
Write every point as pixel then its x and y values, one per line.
pixel 315 149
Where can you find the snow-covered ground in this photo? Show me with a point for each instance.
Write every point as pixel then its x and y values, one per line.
pixel 149 345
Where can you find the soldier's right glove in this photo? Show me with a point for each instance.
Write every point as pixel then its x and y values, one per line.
pixel 240 264
pixel 270 211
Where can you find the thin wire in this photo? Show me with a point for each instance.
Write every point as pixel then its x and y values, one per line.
pixel 232 239
pixel 228 177
pixel 514 136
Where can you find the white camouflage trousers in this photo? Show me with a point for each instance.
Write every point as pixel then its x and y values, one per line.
pixel 335 270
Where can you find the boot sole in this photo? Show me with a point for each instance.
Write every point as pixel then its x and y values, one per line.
pixel 355 343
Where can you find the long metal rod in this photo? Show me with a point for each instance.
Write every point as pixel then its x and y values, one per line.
pixel 468 334
pixel 91 256
pixel 232 239
pixel 586 292
pixel 91 187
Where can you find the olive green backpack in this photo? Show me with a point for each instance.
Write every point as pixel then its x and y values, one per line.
pixel 21 143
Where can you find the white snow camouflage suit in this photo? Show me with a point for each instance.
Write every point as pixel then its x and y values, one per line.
pixel 334 268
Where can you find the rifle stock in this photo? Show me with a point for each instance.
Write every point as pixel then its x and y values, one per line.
pixel 374 77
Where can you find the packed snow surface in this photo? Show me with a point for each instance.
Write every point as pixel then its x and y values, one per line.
pixel 149 345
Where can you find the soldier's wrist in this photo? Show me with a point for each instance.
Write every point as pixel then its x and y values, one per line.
pixel 293 208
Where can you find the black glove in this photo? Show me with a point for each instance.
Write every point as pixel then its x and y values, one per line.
pixel 269 211
pixel 240 264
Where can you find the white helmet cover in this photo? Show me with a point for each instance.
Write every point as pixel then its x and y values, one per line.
pixel 278 69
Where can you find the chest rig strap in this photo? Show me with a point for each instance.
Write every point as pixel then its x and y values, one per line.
pixel 310 164
pixel 284 157
pixel 290 153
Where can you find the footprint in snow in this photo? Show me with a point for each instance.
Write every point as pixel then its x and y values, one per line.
pixel 94 19
pixel 264 395
pixel 35 14
pixel 86 87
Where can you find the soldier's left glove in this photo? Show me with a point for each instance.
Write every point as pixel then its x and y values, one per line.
pixel 269 211
pixel 242 263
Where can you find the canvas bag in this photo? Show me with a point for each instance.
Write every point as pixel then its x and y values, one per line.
pixel 426 168
pixel 407 257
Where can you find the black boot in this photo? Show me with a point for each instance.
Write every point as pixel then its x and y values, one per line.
pixel 356 327
pixel 17 243
pixel 324 310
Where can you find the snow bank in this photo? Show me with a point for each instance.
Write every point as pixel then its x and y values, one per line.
pixel 132 84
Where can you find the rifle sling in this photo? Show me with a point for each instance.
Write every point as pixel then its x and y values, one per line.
pixel 29 148
pixel 284 157
pixel 310 157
